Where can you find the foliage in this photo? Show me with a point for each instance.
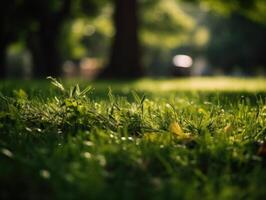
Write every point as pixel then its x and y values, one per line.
pixel 164 24
pixel 88 36
pixel 253 9
pixel 227 35
pixel 67 143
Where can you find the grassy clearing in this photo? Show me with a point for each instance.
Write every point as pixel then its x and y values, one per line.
pixel 165 141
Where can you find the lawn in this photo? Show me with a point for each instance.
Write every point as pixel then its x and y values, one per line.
pixel 197 138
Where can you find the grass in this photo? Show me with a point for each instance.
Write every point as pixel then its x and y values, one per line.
pixel 172 139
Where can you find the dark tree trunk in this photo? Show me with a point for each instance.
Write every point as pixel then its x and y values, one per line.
pixel 45 52
pixel 49 36
pixel 38 59
pixel 3 68
pixel 125 53
pixel 44 43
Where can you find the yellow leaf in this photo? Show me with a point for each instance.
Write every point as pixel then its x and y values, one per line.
pixel 228 128
pixel 176 129
pixel 178 132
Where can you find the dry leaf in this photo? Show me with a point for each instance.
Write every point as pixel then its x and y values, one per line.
pixel 178 132
pixel 176 129
pixel 228 128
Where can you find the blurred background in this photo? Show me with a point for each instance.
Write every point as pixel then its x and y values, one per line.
pixel 132 38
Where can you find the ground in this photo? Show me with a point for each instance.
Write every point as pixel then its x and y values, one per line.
pixel 198 138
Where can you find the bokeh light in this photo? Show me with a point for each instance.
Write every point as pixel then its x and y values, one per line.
pixel 184 61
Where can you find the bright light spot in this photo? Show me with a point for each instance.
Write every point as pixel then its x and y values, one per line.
pixel 88 143
pixel 102 160
pixel 45 174
pixel 87 155
pixel 7 153
pixel 182 61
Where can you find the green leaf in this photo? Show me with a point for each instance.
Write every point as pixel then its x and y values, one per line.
pixel 20 94
pixel 56 83
pixel 85 91
pixel 136 97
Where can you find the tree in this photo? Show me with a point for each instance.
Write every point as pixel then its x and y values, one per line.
pixel 37 22
pixel 45 20
pixel 125 53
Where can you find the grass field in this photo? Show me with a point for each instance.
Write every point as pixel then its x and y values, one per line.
pixel 198 138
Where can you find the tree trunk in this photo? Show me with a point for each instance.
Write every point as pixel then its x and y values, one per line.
pixel 125 53
pixel 45 51
pixel 3 69
pixel 50 48
pixel 38 60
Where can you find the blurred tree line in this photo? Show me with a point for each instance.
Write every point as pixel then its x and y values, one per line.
pixel 38 24
pixel 138 32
